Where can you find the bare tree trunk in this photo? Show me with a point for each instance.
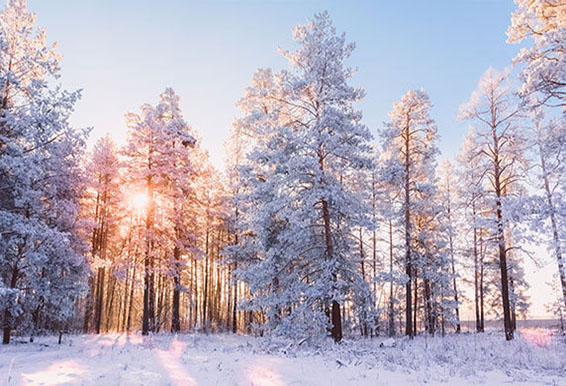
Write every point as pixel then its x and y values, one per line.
pixel 89 304
pixel 374 237
pixel 391 304
pixel 482 271
pixel 415 307
pixel 206 274
pixel 409 329
pixel 175 318
pixel 458 325
pixel 476 277
pixel 335 314
pixel 130 307
pixel 124 306
pixel 429 320
pixel 148 317
pixel 175 314
pixel 235 303
pixel 362 258
pixel 502 249
pixel 110 301
pixel 99 299
pixel 194 285
pixel 7 313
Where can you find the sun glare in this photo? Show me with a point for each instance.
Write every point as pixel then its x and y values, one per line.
pixel 138 201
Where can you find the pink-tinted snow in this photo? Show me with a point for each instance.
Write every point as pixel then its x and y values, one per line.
pixel 535 357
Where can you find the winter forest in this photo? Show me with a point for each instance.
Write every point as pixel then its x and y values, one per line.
pixel 356 253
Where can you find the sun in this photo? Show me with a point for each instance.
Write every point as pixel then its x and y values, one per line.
pixel 139 201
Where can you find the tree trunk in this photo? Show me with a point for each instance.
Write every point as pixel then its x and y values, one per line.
pixel 99 300
pixel 458 325
pixel 409 330
pixel 335 315
pixel 507 323
pixel 88 304
pixel 415 304
pixel 235 304
pixel 175 315
pixel 7 313
pixel 429 320
pixel 391 304
pixel 110 302
pixel 131 305
pixel 476 277
pixel 362 266
pixel 206 279
pixel 482 271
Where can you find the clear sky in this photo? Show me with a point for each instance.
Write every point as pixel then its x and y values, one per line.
pixel 124 53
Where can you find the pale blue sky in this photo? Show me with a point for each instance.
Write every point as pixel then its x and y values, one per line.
pixel 124 53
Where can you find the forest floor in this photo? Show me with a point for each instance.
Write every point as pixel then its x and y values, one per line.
pixel 536 357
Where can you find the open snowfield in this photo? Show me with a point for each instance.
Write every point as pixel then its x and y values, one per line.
pixel 534 358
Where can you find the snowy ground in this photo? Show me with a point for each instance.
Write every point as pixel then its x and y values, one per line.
pixel 534 358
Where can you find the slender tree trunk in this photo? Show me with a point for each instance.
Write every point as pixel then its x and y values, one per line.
pixel 206 279
pixel 458 325
pixel 409 330
pixel 99 300
pixel 148 291
pixel 88 304
pixel 110 302
pixel 476 277
pixel 218 298
pixel 452 254
pixel 391 304
pixel 457 310
pixel 131 305
pixel 429 320
pixel 504 275
pixel 374 238
pixel 7 313
pixel 335 314
pixel 235 303
pixel 416 304
pixel 362 266
pixel 500 236
pixel 482 272
pixel 175 318
pixel 502 255
pixel 125 303
pixel 194 292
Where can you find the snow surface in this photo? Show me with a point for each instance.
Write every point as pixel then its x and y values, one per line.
pixel 536 357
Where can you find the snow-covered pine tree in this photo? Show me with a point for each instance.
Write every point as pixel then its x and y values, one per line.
pixel 387 205
pixel 432 265
pixel 160 159
pixel 250 222
pixel 410 141
pixel 501 157
pixel 447 199
pixel 471 198
pixel 300 212
pixel 42 268
pixel 544 73
pixel 103 203
pixel 549 144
